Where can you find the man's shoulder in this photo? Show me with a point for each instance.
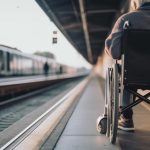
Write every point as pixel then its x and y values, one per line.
pixel 130 15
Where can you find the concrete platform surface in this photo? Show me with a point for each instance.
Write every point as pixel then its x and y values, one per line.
pixel 80 132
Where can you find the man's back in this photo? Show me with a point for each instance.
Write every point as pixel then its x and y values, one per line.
pixel 138 19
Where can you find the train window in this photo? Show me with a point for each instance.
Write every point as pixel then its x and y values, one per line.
pixel 8 61
pixel 11 62
pixel 1 60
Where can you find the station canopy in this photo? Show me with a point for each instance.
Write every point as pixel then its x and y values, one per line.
pixel 85 23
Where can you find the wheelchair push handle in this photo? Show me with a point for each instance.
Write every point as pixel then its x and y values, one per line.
pixel 126 25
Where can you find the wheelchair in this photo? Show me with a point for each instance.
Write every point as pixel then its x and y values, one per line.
pixel 133 75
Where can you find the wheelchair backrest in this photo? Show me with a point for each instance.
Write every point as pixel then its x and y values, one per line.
pixel 136 50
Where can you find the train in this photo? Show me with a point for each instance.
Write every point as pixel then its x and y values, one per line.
pixel 13 62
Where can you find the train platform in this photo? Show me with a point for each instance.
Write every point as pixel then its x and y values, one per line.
pixel 80 132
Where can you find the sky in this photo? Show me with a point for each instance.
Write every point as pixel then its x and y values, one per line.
pixel 25 26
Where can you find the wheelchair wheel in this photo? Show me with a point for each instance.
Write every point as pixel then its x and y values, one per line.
pixel 113 105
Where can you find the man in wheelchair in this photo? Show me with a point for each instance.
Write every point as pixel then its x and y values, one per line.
pixel 139 18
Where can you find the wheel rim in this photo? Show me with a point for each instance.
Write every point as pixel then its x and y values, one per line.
pixel 113 105
pixel 108 100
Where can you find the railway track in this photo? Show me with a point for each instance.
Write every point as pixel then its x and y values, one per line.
pixel 22 105
pixel 20 113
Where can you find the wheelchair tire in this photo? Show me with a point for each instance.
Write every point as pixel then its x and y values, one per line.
pixel 113 105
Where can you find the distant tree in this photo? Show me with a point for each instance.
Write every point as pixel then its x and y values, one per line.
pixel 45 54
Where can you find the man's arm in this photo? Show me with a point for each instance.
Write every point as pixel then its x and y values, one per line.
pixel 113 42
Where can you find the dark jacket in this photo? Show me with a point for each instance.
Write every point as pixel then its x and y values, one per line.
pixel 138 19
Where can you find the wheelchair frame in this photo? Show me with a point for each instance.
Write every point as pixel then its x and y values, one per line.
pixel 140 99
pixel 132 42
